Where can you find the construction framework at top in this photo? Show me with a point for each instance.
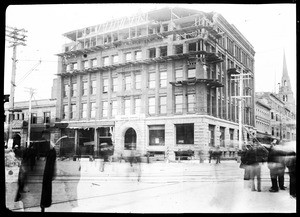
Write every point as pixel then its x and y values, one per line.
pixel 89 36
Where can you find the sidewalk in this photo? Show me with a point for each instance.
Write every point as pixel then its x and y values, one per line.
pixel 188 186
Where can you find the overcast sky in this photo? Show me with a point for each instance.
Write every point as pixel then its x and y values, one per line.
pixel 270 28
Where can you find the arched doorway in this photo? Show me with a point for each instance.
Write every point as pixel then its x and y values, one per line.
pixel 130 139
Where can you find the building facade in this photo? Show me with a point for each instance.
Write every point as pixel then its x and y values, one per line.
pixel 42 125
pixel 263 122
pixel 158 82
pixel 282 120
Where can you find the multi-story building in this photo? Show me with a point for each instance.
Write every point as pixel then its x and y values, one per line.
pixel 282 110
pixel 281 118
pixel 157 82
pixel 262 122
pixel 42 124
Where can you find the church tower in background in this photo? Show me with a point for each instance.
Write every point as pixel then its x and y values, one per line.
pixel 285 91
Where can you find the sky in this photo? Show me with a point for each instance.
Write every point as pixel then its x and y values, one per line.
pixel 270 28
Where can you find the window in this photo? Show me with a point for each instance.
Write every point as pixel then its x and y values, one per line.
pixel 127 82
pixel 105 61
pixel 83 110
pixel 178 104
pixel 128 57
pixel 75 66
pixel 152 53
pixel 74 90
pixel 163 79
pixel 137 106
pixel 46 117
pixel 138 81
pixel 163 105
pixel 272 115
pixel 73 111
pixel 85 64
pixel 23 116
pixel 33 118
pixel 163 51
pixel 191 102
pixel 211 129
pixel 115 59
pixel 179 49
pixel 192 73
pixel 151 80
pixel 151 105
pixel 127 106
pixel 138 55
pixel 184 133
pixel 93 109
pixel 69 67
pixel 157 135
pixel 178 75
pixel 104 108
pixel 93 87
pixel 65 112
pixel 105 85
pixel 222 136
pixel 114 84
pixel 94 62
pixel 114 106
pixel 84 88
pixel 130 139
pixel 66 89
pixel 272 131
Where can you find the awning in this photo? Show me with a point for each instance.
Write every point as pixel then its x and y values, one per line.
pixel 88 125
pixel 61 125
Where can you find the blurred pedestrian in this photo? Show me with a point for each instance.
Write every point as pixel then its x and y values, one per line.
pixel 276 166
pixel 32 155
pixel 49 175
pixel 218 154
pixel 23 173
pixel 290 162
pixel 244 162
pixel 210 152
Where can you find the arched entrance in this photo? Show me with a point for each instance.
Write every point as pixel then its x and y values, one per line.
pixel 130 139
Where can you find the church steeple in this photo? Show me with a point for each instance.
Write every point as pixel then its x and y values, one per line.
pixel 285 91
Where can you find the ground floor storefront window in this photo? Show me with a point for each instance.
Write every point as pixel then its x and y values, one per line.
pixel 67 145
pixel 184 133
pixel 157 135
pixel 86 142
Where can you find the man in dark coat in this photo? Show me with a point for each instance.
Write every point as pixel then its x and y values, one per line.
pixel 49 174
pixel 276 165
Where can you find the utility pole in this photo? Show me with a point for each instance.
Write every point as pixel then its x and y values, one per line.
pixel 15 37
pixel 31 92
pixel 240 78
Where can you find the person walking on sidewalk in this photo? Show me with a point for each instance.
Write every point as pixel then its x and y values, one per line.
pixel 49 175
pixel 255 156
pixel 244 162
pixel 218 154
pixel 276 166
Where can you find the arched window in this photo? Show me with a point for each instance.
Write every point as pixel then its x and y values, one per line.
pixel 284 83
pixel 130 139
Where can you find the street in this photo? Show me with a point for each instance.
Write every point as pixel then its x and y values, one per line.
pixel 185 187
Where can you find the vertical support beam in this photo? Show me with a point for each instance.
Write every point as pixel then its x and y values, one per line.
pixel 240 111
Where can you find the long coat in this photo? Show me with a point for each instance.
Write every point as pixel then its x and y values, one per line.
pixel 49 174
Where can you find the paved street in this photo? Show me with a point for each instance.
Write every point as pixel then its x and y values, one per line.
pixel 186 187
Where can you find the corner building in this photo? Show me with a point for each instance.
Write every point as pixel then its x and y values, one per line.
pixel 156 82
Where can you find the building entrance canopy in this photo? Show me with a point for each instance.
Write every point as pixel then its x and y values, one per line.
pixel 87 125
